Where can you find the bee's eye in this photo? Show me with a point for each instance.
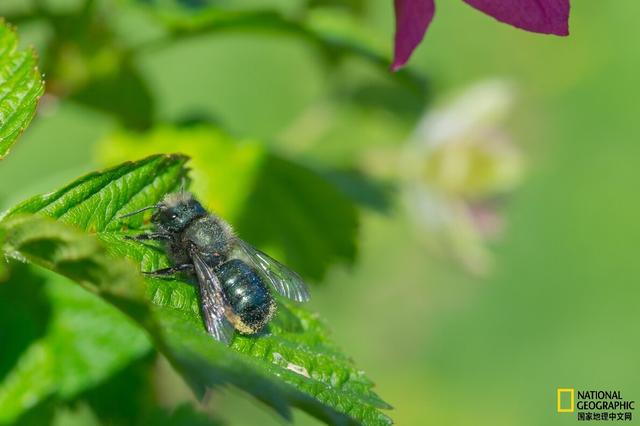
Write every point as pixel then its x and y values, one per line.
pixel 173 216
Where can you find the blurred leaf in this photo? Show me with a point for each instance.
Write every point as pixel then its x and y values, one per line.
pixel 78 414
pixel 29 307
pixel 355 6
pixel 274 203
pixel 368 94
pixel 57 339
pixel 129 398
pixel 293 363
pixel 124 95
pixel 335 34
pixel 363 189
pixel 183 415
pixel 20 88
pixel 86 61
pixel 42 413
pixel 3 270
pixel 296 209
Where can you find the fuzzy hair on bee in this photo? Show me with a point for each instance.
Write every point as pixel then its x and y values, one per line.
pixel 234 278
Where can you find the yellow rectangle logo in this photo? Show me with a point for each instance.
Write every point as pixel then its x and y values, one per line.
pixel 563 408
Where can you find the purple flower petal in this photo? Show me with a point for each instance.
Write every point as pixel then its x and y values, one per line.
pixel 412 20
pixel 540 16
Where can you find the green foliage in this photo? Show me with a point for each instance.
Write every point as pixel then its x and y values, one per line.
pixel 183 415
pixel 293 363
pixel 72 352
pixel 134 107
pixel 20 88
pixel 67 341
pixel 281 206
pixel 96 71
pixel 103 71
pixel 335 35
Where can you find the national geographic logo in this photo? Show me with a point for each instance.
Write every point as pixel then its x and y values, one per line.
pixel 595 404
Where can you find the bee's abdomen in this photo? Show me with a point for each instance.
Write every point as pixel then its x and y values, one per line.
pixel 247 294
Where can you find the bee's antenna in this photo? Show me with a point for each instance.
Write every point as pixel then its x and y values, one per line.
pixel 183 184
pixel 137 211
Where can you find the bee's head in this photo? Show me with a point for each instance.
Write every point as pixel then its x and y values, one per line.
pixel 176 211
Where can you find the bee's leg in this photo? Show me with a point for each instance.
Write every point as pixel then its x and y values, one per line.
pixel 168 272
pixel 147 236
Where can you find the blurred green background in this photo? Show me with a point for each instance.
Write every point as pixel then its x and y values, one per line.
pixel 559 307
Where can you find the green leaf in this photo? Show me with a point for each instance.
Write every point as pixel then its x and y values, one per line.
pixel 130 397
pixel 94 201
pixel 67 340
pixel 293 363
pixel 273 203
pixel 183 415
pixel 3 269
pixel 20 88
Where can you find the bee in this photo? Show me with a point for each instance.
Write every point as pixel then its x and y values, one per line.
pixel 233 277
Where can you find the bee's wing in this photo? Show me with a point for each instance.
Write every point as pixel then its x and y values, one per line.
pixel 284 280
pixel 213 301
